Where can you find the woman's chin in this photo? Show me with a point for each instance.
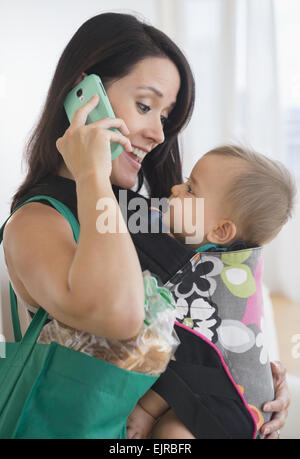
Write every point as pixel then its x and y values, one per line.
pixel 124 181
pixel 123 174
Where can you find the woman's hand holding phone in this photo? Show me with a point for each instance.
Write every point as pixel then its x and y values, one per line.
pixel 86 148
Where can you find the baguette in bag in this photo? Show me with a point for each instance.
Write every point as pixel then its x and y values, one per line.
pixel 148 352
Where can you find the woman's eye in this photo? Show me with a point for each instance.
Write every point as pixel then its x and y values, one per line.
pixel 164 120
pixel 144 108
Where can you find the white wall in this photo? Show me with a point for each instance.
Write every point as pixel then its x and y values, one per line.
pixel 33 34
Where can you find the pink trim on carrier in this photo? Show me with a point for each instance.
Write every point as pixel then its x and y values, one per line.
pixel 225 368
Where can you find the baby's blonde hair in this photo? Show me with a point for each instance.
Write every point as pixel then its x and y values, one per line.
pixel 262 196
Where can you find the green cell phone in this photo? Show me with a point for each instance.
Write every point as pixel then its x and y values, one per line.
pixel 81 94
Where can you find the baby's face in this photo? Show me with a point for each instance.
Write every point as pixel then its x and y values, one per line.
pixel 209 180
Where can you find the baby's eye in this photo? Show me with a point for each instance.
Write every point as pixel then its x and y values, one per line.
pixel 189 189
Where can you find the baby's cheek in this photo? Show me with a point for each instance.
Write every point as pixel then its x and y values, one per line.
pixel 193 216
pixel 210 219
pixel 181 216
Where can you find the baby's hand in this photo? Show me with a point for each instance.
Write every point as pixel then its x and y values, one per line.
pixel 139 423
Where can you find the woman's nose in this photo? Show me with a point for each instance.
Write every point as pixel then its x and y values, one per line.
pixel 156 131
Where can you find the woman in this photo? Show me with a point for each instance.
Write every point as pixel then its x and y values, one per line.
pixel 151 89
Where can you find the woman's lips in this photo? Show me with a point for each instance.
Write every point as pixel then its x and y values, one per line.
pixel 131 158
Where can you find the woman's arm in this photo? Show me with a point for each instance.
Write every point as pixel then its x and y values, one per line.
pixel 105 269
pixel 97 284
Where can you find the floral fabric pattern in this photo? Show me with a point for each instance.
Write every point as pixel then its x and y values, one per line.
pixel 201 277
pixel 201 315
pixel 219 296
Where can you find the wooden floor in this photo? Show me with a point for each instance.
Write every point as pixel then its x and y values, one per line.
pixel 287 321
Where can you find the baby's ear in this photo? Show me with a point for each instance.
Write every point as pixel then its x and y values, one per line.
pixel 223 233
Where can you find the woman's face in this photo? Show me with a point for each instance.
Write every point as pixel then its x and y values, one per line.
pixel 143 99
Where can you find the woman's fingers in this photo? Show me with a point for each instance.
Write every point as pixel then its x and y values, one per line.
pixel 282 397
pixel 278 371
pixel 273 436
pixel 277 423
pixel 114 136
pixel 86 148
pixel 279 406
pixel 108 123
pixel 80 116
pixel 276 405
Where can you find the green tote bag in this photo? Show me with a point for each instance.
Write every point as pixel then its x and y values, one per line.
pixel 49 391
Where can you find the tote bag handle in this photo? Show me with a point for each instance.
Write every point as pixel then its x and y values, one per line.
pixel 40 317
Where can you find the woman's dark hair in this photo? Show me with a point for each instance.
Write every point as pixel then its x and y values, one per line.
pixel 110 45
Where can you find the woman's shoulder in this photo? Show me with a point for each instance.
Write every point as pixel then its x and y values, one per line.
pixel 33 238
pixel 34 224
pixel 32 212
pixel 54 186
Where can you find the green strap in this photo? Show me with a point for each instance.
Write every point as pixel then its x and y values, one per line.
pixel 38 321
pixel 21 354
pixel 14 314
pixel 206 247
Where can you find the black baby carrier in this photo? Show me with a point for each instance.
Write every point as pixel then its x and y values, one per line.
pixel 221 376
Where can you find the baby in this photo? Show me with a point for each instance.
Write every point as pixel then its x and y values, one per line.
pixel 247 198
